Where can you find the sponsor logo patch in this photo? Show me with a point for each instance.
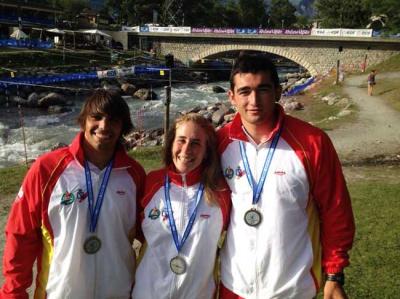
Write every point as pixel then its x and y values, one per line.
pixel 67 198
pixel 228 173
pixel 279 172
pixel 205 216
pixel 164 215
pixel 239 172
pixel 121 192
pixel 154 213
pixel 81 195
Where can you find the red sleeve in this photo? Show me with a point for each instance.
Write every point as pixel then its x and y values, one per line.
pixel 328 190
pixel 336 215
pixel 224 200
pixel 138 175
pixel 23 240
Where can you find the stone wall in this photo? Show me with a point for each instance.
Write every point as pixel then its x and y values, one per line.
pixel 317 56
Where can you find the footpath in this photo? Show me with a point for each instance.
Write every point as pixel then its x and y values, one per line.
pixel 376 131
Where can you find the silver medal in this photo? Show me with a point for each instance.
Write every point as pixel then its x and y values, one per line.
pixel 252 217
pixel 178 265
pixel 92 245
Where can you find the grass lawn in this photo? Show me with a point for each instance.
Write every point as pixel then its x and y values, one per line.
pixel 389 90
pixel 318 112
pixel 375 258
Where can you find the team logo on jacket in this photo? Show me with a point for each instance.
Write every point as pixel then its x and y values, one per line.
pixel 154 213
pixel 81 195
pixel 239 172
pixel 164 214
pixel 279 172
pixel 121 192
pixel 67 198
pixel 229 173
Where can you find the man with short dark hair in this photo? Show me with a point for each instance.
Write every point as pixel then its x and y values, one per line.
pixel 75 213
pixel 291 218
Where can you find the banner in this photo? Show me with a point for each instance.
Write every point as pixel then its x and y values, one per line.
pixel 51 79
pixel 246 31
pixel 297 88
pixel 26 43
pixel 342 32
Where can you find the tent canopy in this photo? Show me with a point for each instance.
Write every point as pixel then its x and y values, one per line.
pixel 18 34
pixel 56 30
pixel 95 32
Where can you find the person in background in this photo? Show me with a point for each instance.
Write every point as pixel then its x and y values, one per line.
pixel 185 209
pixel 75 213
pixel 371 82
pixel 291 218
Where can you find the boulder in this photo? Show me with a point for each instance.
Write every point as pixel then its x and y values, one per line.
pixel 218 89
pixel 199 76
pixel 206 114
pixel 195 109
pixel 33 99
pixel 344 102
pixel 52 99
pixel 128 88
pixel 343 113
pixel 112 88
pixel 290 106
pixel 19 101
pixel 218 117
pixel 332 101
pixel 58 109
pixel 154 142
pixel 145 94
pixel 229 117
pixel 212 108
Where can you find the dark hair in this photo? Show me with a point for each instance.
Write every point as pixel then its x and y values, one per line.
pixel 211 173
pixel 253 62
pixel 109 103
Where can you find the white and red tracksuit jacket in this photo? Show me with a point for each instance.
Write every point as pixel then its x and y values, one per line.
pixel 154 278
pixel 307 224
pixel 49 222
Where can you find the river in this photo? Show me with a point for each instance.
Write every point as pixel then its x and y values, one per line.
pixel 42 131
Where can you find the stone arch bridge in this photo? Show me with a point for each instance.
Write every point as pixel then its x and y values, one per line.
pixel 317 54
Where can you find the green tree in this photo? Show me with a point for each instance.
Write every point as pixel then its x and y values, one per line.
pixel 199 13
pixel 144 10
pixel 132 12
pixel 389 8
pixel 342 13
pixel 282 14
pixel 72 8
pixel 303 22
pixel 252 13
pixel 229 14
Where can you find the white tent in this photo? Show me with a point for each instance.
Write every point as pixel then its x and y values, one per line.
pixel 95 32
pixel 56 30
pixel 18 34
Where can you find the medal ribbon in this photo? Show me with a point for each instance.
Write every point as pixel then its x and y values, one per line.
pixel 257 188
pixel 174 231
pixel 94 210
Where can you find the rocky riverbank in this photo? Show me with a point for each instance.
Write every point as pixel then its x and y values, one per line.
pixel 220 114
pixel 56 99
